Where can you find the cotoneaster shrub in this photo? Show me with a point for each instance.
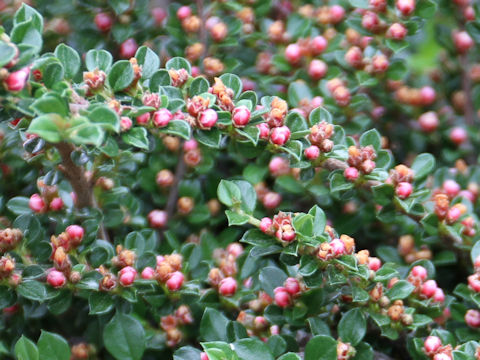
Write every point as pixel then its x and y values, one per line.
pixel 209 181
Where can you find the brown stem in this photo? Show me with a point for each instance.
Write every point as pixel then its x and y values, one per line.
pixel 76 175
pixel 173 195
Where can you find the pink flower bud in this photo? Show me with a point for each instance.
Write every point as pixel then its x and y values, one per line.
pixel 428 121
pixel 142 119
pixel 374 263
pixel 370 21
pixel 278 166
pixel 469 13
pixel 467 194
pixel 235 249
pixel 336 13
pixel 463 42
pixel 451 187
pixel 429 287
pixel 318 44
pixel 406 7
pixel 36 203
pixel 183 12
pixel 312 152
pixel 158 14
pixel 157 218
pixel 472 318
pixel 125 123
pixel 292 286
pixel 75 232
pixel 351 173
pixel 204 356
pixel 404 190
pixel 175 281
pixel 317 101
pixel 474 282
pixel 380 63
pixel 397 31
pixel 419 272
pixel 266 224
pixel 56 204
pixel 439 296
pixel 240 116
pixel 453 214
pixel 195 71
pixel 338 247
pixel 128 49
pixel 127 276
pixel 458 135
pixel 264 130
pixel 293 53
pixel 208 118
pixel 191 144
pixel 148 273
pixel 432 344
pixel 317 69
pixel 282 297
pixel 228 286
pixel 103 21
pixel 354 57
pixel 442 356
pixel 17 80
pixel 162 117
pixel 280 135
pixel 272 200
pixel 428 95
pixel 56 279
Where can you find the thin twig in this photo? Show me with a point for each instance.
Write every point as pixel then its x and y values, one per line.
pixel 203 29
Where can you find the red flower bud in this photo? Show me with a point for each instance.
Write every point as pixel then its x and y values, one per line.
pixel 56 279
pixel 157 218
pixel 208 119
pixel 103 21
pixel 17 80
pixel 148 273
pixel 128 48
pixel 162 117
pixel 404 190
pixel 293 53
pixel 127 276
pixel 228 286
pixel 280 135
pixel 36 203
pixel 240 116
pixel 175 281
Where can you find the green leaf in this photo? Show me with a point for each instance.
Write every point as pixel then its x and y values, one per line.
pixel 46 126
pixel 423 165
pixel 425 9
pixel 121 75
pixel 159 78
pixel 26 13
pixel 178 128
pixel 100 303
pixel 352 326
pixel 148 60
pixel 397 70
pixel 235 218
pixel 319 220
pixel 249 195
pixel 371 137
pixel 213 325
pixel 229 193
pixel 19 205
pixel 106 118
pixel 290 356
pixel 473 28
pixel 362 4
pixel 27 33
pixel 53 74
pixel 50 103
pixel 25 349
pixel 400 290
pixel 321 347
pixel 124 337
pixel 397 45
pixel 83 131
pixel 119 6
pixel 69 58
pixel 178 63
pixel 383 194
pixel 233 82
pixel 7 53
pixel 137 137
pixel 318 115
pixel 251 349
pixel 53 347
pixel 198 86
pixel 32 290
pixel 270 278
pixel 210 138
pixel 298 90
pixel 98 59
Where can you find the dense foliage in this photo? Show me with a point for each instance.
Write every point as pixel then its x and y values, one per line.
pixel 208 180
